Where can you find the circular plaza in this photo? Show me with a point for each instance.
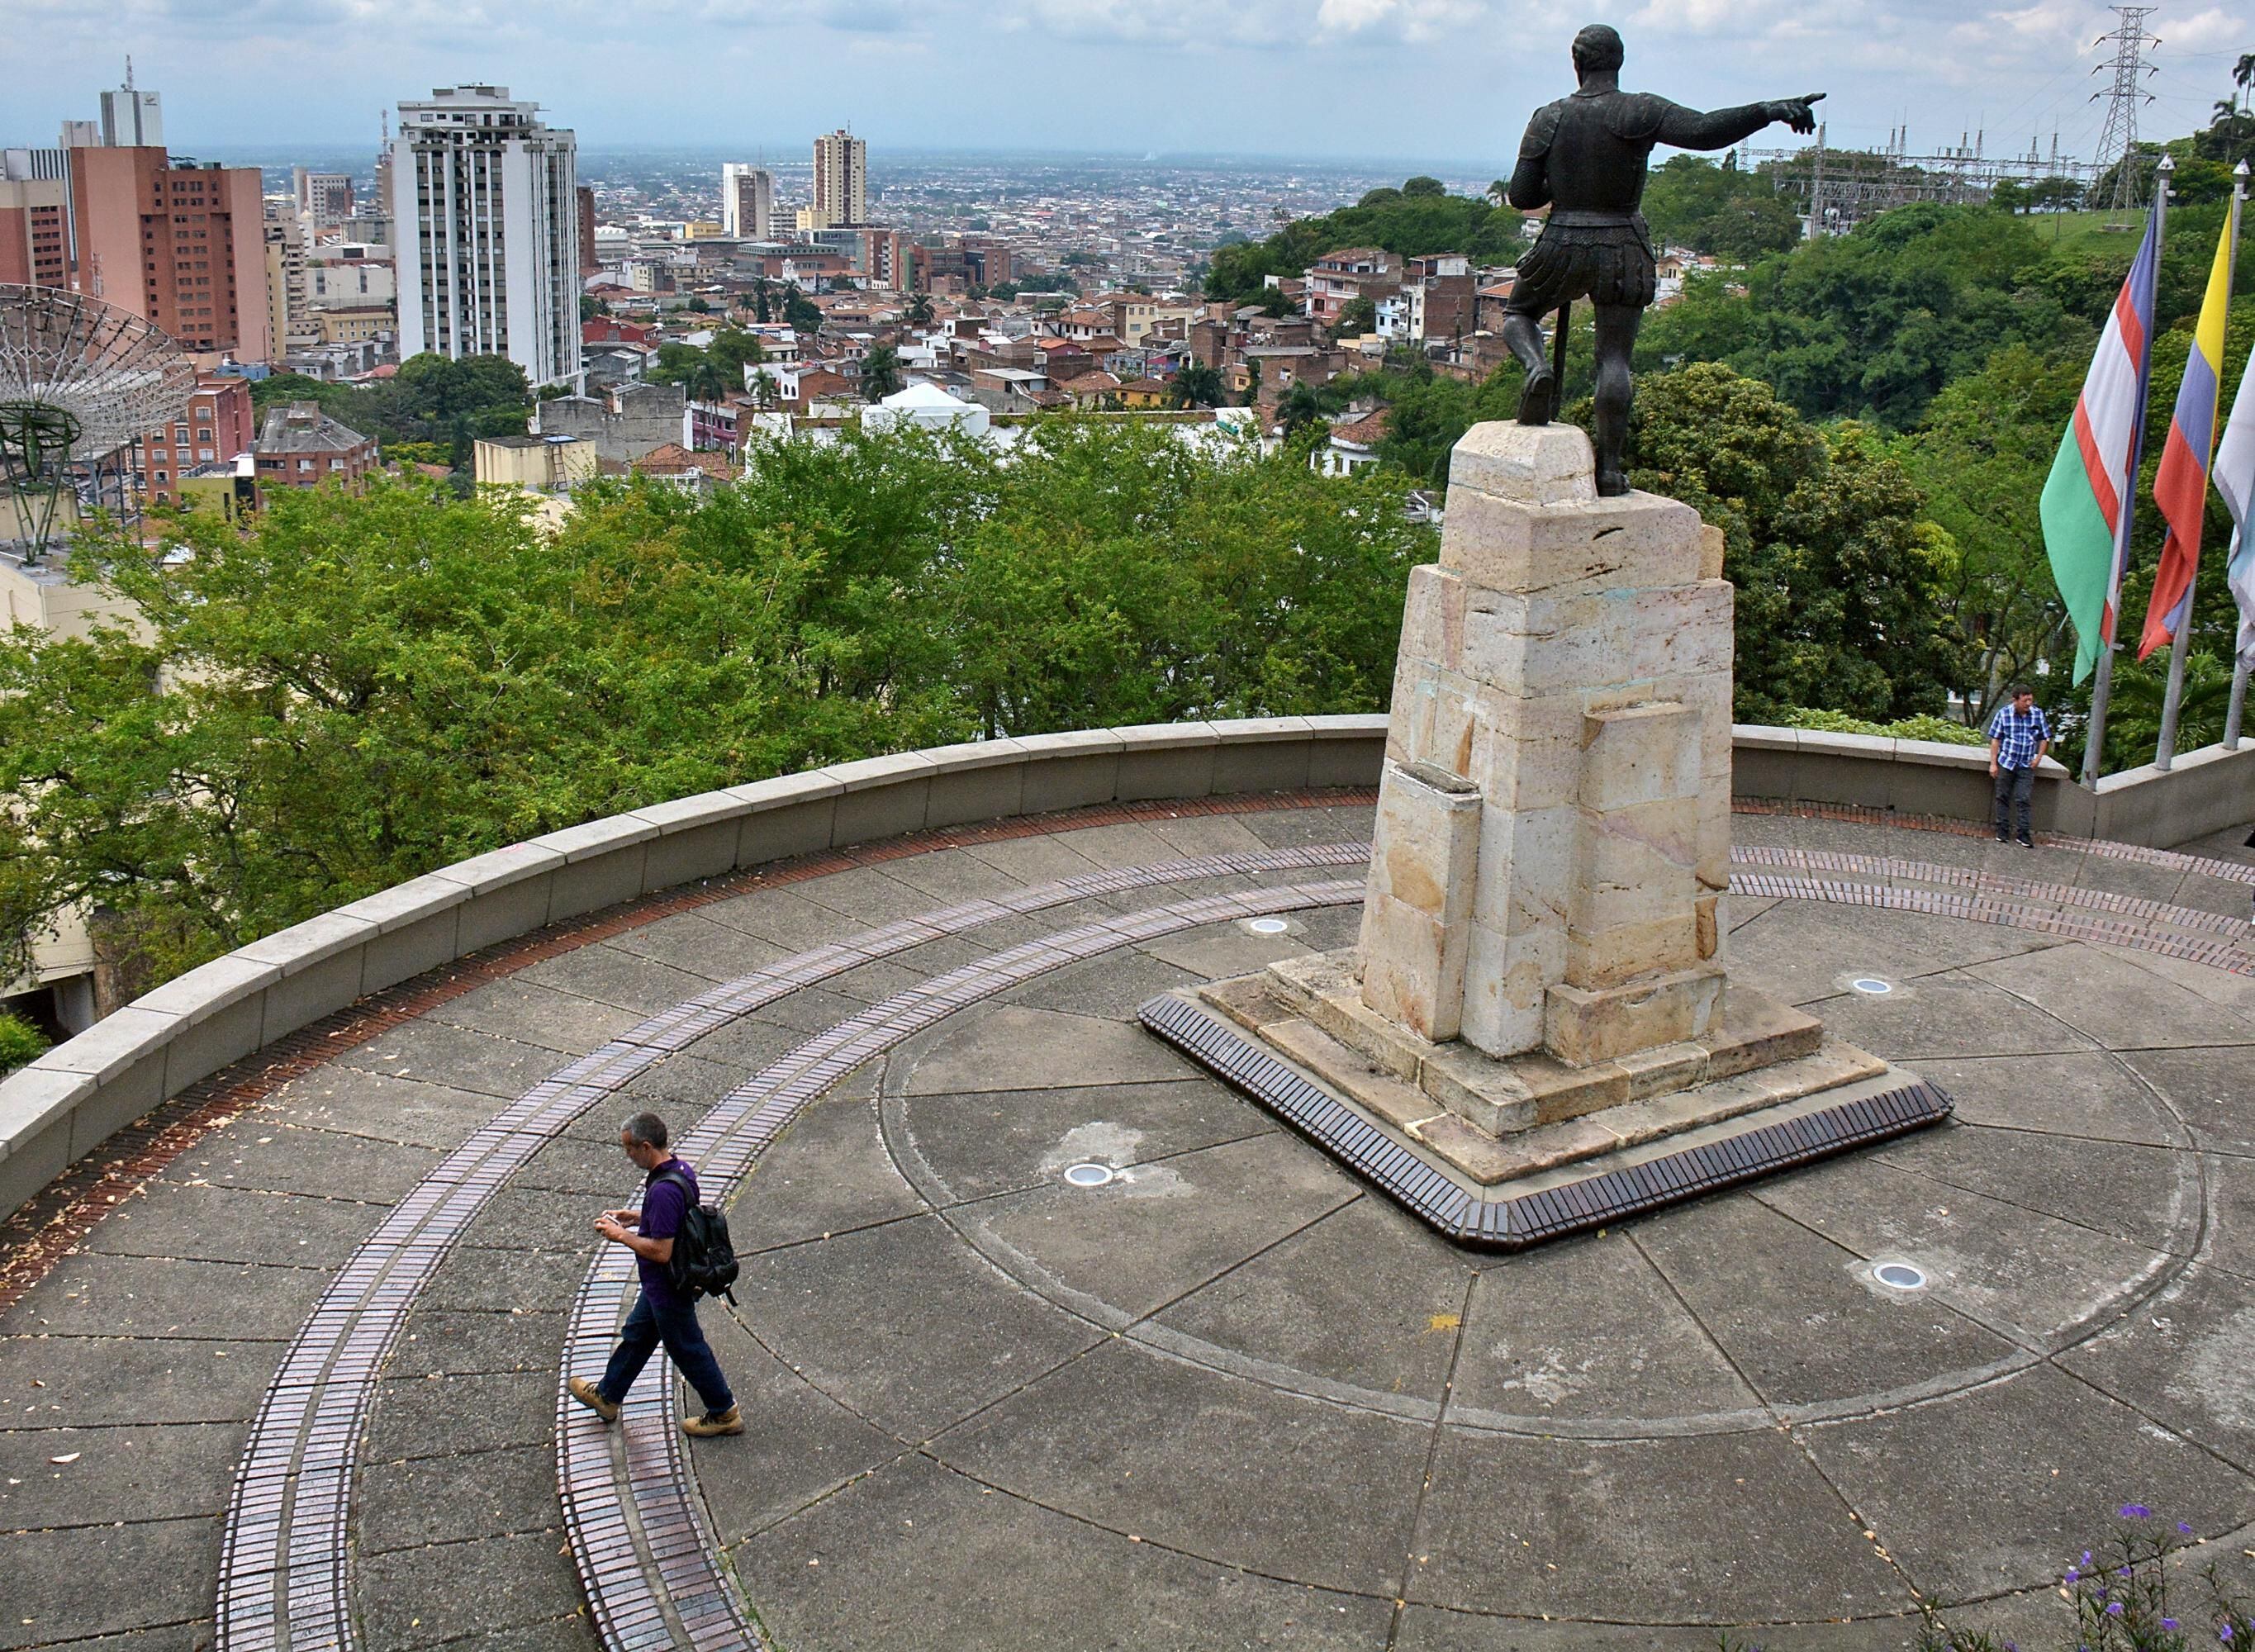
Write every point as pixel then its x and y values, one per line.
pixel 1045 1338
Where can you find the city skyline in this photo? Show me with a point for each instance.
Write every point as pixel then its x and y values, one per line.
pixel 1316 79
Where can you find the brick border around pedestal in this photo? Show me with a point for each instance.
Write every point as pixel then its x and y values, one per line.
pixel 1741 1151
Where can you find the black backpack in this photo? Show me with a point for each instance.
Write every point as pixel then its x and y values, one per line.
pixel 703 1262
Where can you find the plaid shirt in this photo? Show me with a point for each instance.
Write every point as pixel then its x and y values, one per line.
pixel 2017 737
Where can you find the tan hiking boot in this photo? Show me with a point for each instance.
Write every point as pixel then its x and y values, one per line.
pixel 729 1422
pixel 590 1396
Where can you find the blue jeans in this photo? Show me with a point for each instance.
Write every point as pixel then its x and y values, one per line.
pixel 2016 791
pixel 675 1324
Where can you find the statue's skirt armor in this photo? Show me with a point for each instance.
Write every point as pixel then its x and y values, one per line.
pixel 1605 263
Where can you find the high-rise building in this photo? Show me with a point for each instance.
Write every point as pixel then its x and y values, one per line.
pixel 486 206
pixel 747 202
pixel 132 119
pixel 182 247
pixel 24 165
pixel 288 323
pixel 841 181
pixel 325 199
pixel 35 233
pixel 589 263
pixel 80 135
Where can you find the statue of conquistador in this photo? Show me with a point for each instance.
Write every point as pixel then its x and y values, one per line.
pixel 1583 156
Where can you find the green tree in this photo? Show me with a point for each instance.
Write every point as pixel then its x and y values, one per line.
pixel 1981 458
pixel 1418 219
pixel 20 1042
pixel 1197 385
pixel 699 305
pixel 1841 580
pixel 707 381
pixel 919 309
pixel 1356 316
pixel 801 312
pixel 417 453
pixel 881 372
pixel 732 349
pixel 1300 408
pixel 348 690
pixel 1873 324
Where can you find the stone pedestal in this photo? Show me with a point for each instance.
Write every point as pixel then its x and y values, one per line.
pixel 1541 976
pixel 1569 658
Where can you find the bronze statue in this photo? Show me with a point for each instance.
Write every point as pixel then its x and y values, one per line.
pixel 1583 156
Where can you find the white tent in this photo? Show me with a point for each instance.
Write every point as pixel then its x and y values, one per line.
pixel 926 405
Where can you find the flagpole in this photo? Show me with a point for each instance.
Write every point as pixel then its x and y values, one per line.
pixel 2094 745
pixel 2165 749
pixel 2239 705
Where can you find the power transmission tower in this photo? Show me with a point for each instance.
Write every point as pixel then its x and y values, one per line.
pixel 2119 140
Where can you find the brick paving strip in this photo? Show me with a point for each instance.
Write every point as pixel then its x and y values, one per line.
pixel 640 1535
pixel 283 1570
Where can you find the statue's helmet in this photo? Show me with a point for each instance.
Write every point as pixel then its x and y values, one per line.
pixel 1597 48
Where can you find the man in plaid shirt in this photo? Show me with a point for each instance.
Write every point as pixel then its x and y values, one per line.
pixel 2018 737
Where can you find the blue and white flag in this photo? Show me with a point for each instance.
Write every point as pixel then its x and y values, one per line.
pixel 2233 474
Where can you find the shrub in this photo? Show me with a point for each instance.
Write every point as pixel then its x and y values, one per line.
pixel 1923 727
pixel 19 1042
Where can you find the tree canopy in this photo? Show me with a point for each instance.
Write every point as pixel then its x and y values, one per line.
pixel 1420 218
pixel 352 690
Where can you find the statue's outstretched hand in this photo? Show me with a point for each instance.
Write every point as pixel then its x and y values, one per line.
pixel 1795 111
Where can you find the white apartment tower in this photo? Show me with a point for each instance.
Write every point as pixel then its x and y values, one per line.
pixel 841 181
pixel 486 206
pixel 131 117
pixel 747 202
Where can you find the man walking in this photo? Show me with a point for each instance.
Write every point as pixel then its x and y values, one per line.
pixel 662 1313
pixel 2018 737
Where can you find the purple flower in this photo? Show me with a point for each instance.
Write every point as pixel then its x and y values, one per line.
pixel 2114 1609
pixel 2168 1623
pixel 2136 1511
pixel 2072 1574
pixel 2086 1556
pixel 2185 1529
pixel 2224 1633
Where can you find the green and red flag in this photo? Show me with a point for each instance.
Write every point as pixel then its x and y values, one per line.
pixel 2086 501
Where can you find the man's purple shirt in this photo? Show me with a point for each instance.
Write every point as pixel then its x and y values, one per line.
pixel 663 1205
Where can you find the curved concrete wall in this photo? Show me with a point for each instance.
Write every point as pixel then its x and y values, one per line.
pixel 66 1103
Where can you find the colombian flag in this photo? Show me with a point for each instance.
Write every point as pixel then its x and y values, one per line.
pixel 2091 479
pixel 2180 486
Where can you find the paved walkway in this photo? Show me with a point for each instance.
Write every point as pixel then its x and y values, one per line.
pixel 1229 1397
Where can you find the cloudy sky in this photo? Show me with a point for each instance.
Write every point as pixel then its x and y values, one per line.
pixel 1448 79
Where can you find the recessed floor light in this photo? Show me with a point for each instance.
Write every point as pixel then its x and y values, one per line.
pixel 1088 1175
pixel 1871 986
pixel 1899 1276
pixel 1267 926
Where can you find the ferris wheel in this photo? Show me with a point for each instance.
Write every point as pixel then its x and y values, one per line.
pixel 78 380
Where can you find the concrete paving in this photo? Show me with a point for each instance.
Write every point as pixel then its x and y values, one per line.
pixel 1233 1397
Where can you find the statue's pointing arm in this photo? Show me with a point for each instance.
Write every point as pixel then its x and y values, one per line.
pixel 1530 179
pixel 1680 127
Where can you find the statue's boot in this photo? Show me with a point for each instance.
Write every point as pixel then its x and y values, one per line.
pixel 1538 396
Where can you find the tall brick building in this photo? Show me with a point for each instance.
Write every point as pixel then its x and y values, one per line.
pixel 182 247
pixel 216 426
pixel 35 233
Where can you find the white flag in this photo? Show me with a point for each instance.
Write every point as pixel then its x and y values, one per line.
pixel 2233 474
